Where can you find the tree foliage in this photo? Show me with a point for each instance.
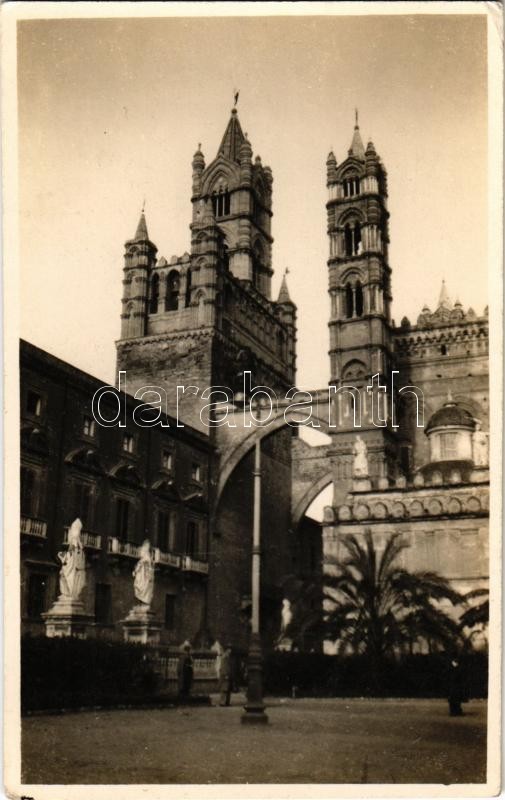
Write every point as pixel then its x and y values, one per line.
pixel 376 608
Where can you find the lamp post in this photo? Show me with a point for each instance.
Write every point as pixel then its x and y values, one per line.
pixel 254 709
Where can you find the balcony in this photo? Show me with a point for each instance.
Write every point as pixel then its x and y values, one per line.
pixel 166 559
pixel 31 526
pixel 192 565
pixel 91 540
pixel 119 548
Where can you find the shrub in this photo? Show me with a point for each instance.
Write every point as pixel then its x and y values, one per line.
pixel 319 675
pixel 70 673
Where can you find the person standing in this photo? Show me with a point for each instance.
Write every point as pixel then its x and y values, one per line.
pixel 456 688
pixel 185 671
pixel 225 677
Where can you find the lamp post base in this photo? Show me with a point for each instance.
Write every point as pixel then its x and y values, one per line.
pixel 254 709
pixel 254 717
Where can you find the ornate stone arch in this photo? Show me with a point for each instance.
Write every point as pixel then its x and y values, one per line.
pixel 220 170
pixel 354 370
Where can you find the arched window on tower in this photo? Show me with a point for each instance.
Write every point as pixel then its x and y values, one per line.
pixel 352 238
pixel 221 204
pixel 172 295
pixel 351 187
pixel 155 294
pixel 131 320
pixel 257 259
pixel 357 238
pixel 348 240
pixel 188 288
pixel 359 299
pixel 349 301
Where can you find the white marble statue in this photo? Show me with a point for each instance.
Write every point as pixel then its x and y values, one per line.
pixel 143 574
pixel 73 563
pixel 286 614
pixel 480 447
pixel 360 465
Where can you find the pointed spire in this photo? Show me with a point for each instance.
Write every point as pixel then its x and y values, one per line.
pixel 357 148
pixel 284 297
pixel 141 234
pixel 443 300
pixel 233 138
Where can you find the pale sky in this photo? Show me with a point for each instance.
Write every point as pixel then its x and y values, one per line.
pixel 111 111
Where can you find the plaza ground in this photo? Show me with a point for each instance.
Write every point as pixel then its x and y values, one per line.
pixel 308 741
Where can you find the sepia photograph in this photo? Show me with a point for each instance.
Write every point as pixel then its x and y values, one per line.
pixel 253 416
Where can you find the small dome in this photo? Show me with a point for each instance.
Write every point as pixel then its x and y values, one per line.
pixel 452 416
pixel 268 174
pixel 198 159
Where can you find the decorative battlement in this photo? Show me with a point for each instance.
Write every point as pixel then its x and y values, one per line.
pixel 447 331
pixel 410 502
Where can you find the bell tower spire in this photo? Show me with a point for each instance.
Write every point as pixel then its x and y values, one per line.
pixel 240 191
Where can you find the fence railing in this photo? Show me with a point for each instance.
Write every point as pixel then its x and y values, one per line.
pixel 120 548
pixel 162 557
pixel 32 526
pixel 205 665
pixel 91 540
pixel 192 565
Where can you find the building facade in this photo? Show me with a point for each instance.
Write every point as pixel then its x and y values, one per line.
pixel 125 485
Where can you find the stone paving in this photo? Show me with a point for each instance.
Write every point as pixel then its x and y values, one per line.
pixel 308 741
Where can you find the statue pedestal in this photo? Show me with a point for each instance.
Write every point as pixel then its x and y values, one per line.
pixel 361 484
pixel 67 618
pixel 141 626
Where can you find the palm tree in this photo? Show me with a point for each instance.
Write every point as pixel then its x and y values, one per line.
pixel 378 609
pixel 477 614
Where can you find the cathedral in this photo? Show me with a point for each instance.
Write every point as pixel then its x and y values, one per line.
pixel 206 318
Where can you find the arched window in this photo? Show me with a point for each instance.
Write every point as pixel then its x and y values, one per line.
pixel 256 265
pixel 221 204
pixel 131 320
pixel 349 301
pixel 352 237
pixel 348 240
pixel 188 288
pixel 172 295
pixel 155 294
pixel 357 238
pixel 359 299
pixel 200 301
pixel 351 187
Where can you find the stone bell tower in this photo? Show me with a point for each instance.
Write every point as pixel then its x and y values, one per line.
pixel 240 192
pixel 192 320
pixel 360 291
